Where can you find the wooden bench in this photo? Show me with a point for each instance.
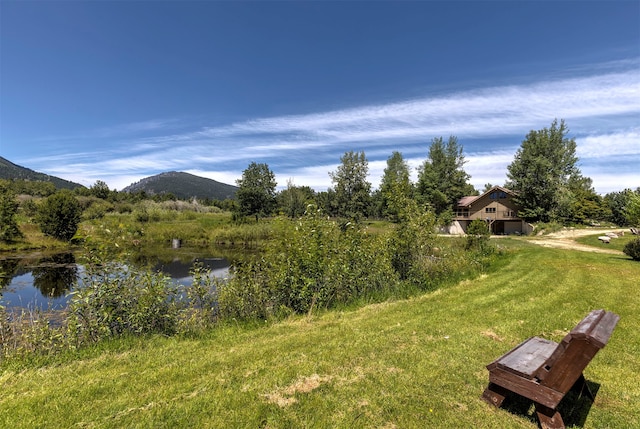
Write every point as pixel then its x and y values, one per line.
pixel 544 371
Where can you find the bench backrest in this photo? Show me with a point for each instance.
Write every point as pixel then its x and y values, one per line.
pixel 573 354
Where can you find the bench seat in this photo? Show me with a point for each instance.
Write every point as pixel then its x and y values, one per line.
pixel 526 359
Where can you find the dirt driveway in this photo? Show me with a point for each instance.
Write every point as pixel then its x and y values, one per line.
pixel 565 239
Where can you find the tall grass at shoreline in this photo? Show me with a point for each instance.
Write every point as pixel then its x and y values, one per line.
pixel 194 229
pixel 313 263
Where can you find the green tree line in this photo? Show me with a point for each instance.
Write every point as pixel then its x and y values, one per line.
pixel 544 174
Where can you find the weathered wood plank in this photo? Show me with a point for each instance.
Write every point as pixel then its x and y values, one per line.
pixel 601 333
pixel 528 357
pixel 544 371
pixel 530 389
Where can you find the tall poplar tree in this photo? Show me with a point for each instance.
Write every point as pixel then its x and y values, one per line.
pixel 395 185
pixel 352 190
pixel 442 180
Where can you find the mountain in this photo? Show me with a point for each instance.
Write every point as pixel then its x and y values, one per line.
pixel 9 170
pixel 183 186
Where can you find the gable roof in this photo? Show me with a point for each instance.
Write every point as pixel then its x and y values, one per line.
pixel 467 201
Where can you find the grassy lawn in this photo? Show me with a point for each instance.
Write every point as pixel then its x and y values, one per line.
pixel 408 364
pixel 615 243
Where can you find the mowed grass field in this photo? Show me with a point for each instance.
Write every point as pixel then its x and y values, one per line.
pixel 417 363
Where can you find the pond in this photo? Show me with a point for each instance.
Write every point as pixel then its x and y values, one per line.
pixel 42 281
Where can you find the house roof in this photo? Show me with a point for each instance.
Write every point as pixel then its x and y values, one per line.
pixel 468 200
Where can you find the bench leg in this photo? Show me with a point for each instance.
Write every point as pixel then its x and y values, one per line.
pixel 582 387
pixel 549 418
pixel 494 394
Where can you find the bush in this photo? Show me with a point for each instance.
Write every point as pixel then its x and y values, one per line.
pixel 98 209
pixel 632 249
pixel 9 230
pixel 59 215
pixel 114 299
pixel 29 207
pixel 411 244
pixel 313 262
pixel 200 300
pixel 477 235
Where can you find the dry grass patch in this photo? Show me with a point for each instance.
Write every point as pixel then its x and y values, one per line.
pixel 286 396
pixel 489 333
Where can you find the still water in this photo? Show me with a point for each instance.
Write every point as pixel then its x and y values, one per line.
pixel 43 281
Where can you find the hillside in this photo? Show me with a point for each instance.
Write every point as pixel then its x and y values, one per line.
pixel 9 170
pixel 183 186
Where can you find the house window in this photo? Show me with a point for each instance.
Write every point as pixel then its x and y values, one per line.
pixel 498 195
pixel 490 210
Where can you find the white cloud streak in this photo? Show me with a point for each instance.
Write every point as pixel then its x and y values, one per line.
pixel 602 112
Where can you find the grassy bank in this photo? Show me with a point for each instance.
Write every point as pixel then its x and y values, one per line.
pixel 615 243
pixel 414 363
pixel 161 226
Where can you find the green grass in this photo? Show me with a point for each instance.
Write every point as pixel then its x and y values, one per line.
pixel 195 229
pixel 614 244
pixel 33 239
pixel 409 364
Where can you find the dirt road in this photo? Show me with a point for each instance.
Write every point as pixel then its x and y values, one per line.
pixel 565 239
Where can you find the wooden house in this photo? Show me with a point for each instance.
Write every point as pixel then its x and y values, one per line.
pixel 496 207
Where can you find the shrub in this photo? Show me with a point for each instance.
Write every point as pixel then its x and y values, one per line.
pixel 313 262
pixel 114 299
pixel 59 215
pixel 632 249
pixel 124 208
pixel 200 300
pixel 29 207
pixel 411 245
pixel 477 235
pixel 98 209
pixel 9 230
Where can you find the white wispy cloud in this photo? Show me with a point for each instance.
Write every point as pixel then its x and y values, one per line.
pixel 128 129
pixel 626 142
pixel 492 111
pixel 602 112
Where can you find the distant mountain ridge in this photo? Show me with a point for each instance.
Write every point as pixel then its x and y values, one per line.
pixel 9 170
pixel 183 186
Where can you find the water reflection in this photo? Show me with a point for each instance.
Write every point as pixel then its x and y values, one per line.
pixel 8 269
pixel 43 281
pixel 53 276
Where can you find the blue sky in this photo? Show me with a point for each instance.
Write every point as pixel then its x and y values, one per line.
pixel 118 91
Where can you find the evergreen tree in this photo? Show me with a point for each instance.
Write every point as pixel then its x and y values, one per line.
pixel 352 191
pixel 543 174
pixel 257 191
